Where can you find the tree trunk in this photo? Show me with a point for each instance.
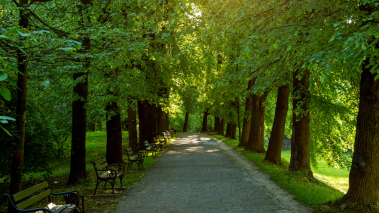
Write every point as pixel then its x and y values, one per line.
pixel 167 121
pixel 132 120
pixel 247 118
pixel 160 121
pixel 19 140
pixel 186 122
pixel 205 122
pixel 79 116
pixel 114 135
pixel 256 138
pixel 221 127
pixel 217 122
pixel 228 132
pixel 300 142
pixel 147 122
pixel 233 129
pixel 277 134
pixel 364 173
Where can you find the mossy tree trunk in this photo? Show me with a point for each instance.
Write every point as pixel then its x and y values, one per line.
pixel 114 134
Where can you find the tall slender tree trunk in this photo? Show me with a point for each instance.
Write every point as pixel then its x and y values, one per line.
pixel 364 173
pixel 147 122
pixel 221 126
pixel 160 121
pixel 167 121
pixel 132 120
pixel 256 138
pixel 233 129
pixel 277 134
pixel 300 143
pixel 185 122
pixel 247 117
pixel 19 139
pixel 79 114
pixel 228 132
pixel 205 122
pixel 114 134
pixel 217 122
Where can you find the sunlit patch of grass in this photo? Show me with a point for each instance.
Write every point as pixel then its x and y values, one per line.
pixel 311 193
pixel 337 178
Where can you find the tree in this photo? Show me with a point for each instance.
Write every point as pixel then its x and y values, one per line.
pixel 277 134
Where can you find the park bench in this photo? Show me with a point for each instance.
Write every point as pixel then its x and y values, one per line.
pixel 150 147
pixel 20 201
pixel 107 173
pixel 134 157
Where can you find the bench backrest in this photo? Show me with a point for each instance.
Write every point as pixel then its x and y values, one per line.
pixel 100 164
pixel 28 192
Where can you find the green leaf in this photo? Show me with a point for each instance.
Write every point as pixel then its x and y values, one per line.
pixel 12 31
pixel 275 46
pixel 6 131
pixel 7 118
pixel 364 46
pixel 376 77
pixel 323 79
pixel 328 73
pixel 3 76
pixel 15 69
pixel 23 34
pixel 5 37
pixel 5 93
pixel 3 62
pixel 4 121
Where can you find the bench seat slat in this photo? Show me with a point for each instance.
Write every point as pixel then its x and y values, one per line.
pixel 29 191
pixel 33 199
pixel 67 208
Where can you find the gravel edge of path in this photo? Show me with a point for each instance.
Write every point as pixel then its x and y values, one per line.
pixel 278 194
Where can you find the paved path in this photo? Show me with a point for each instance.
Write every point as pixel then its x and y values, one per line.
pixel 195 175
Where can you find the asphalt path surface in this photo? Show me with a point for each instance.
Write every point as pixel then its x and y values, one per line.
pixel 196 175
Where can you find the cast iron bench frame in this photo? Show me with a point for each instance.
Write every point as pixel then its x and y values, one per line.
pixel 104 173
pixel 21 200
pixel 134 157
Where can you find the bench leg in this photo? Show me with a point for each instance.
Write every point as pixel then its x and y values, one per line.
pixel 97 183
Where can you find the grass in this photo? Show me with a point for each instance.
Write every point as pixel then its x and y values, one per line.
pixel 95 146
pixel 313 193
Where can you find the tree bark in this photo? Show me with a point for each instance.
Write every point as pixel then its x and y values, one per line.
pixel 132 120
pixel 277 134
pixel 167 121
pixel 79 116
pixel 364 173
pixel 160 121
pixel 114 135
pixel 217 122
pixel 221 126
pixel 205 122
pixel 233 130
pixel 256 138
pixel 185 122
pixel 147 122
pixel 228 132
pixel 247 118
pixel 300 142
pixel 19 139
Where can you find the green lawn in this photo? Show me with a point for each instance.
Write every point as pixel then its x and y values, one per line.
pixel 337 178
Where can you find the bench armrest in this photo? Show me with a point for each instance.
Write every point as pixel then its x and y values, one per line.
pixel 25 210
pixel 70 197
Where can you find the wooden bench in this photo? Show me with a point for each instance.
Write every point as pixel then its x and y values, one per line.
pixel 107 173
pixel 134 157
pixel 20 201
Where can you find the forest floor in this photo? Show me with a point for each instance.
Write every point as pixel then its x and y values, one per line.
pixel 200 174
